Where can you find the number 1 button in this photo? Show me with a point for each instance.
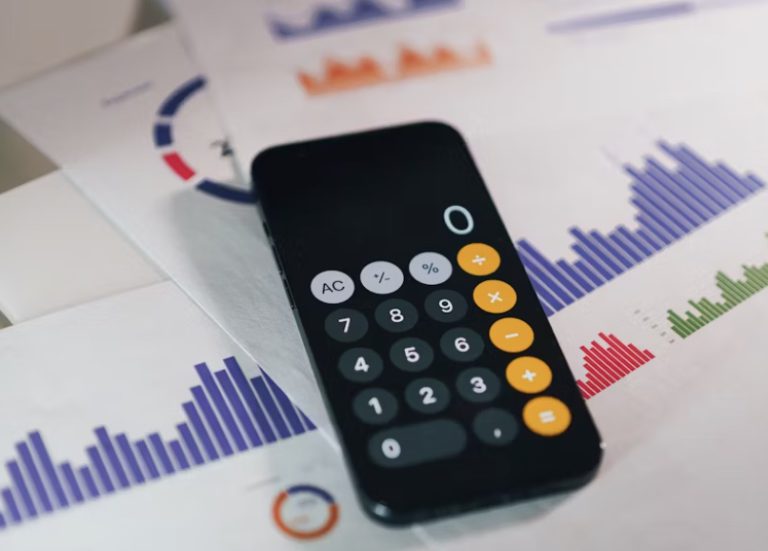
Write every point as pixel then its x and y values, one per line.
pixel 375 406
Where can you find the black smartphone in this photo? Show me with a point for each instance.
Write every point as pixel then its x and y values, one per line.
pixel 440 369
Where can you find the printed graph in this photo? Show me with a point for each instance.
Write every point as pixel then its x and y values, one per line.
pixel 733 292
pixel 669 204
pixel 228 414
pixel 339 76
pixel 609 362
pixel 325 18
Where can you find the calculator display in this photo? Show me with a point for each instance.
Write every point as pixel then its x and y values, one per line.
pixel 444 379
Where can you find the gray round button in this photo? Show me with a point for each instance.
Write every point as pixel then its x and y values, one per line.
pixel 381 277
pixel 478 384
pixel 445 305
pixel 375 406
pixel 332 286
pixel 411 354
pixel 396 315
pixel 495 427
pixel 346 325
pixel 430 268
pixel 462 344
pixel 360 365
pixel 427 395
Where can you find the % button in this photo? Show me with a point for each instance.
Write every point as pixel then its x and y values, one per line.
pixel 381 277
pixel 430 268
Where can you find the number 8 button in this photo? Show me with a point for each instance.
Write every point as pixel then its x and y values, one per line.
pixel 396 315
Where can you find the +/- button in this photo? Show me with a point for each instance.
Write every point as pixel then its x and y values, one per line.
pixel 528 374
pixel 381 277
pixel 511 334
pixel 546 416
pixel 478 259
pixel 494 296
pixel 332 287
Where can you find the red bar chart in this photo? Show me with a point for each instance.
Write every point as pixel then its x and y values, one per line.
pixel 609 361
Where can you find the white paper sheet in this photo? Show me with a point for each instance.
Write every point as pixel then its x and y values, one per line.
pixel 134 129
pixel 57 250
pixel 127 363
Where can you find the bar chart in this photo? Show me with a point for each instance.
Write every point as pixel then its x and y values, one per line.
pixel 228 414
pixel 669 204
pixel 733 293
pixel 326 18
pixel 609 362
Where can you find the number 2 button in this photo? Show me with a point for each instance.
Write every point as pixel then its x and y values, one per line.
pixel 346 325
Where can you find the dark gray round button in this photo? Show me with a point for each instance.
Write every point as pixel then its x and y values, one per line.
pixel 346 325
pixel 495 427
pixel 375 406
pixel 462 344
pixel 411 354
pixel 427 395
pixel 396 315
pixel 478 384
pixel 360 365
pixel 445 305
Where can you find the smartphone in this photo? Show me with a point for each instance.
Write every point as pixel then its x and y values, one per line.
pixel 440 370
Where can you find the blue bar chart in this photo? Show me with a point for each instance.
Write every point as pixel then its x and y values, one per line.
pixel 228 414
pixel 669 204
pixel 327 18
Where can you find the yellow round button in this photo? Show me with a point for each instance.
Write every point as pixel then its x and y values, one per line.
pixel 495 296
pixel 528 374
pixel 546 416
pixel 478 259
pixel 511 334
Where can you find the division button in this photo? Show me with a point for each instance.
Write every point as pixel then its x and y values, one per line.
pixel 375 406
pixel 381 277
pixel 494 296
pixel 419 443
pixel 427 395
pixel 445 306
pixel 430 268
pixel 360 365
pixel 478 384
pixel 396 315
pixel 411 354
pixel 478 259
pixel 461 344
pixel 528 374
pixel 511 335
pixel 546 416
pixel 346 325
pixel 495 427
pixel 332 286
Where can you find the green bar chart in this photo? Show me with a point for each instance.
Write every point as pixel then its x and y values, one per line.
pixel 732 291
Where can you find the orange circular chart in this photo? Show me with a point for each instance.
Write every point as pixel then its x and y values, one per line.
pixel 305 512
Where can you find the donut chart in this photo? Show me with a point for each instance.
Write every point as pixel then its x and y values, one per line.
pixel 163 134
pixel 305 512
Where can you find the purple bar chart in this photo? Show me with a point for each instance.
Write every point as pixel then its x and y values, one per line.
pixel 228 414
pixel 669 204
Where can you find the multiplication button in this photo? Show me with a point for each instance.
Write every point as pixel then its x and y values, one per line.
pixel 381 277
pixel 430 268
pixel 332 286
